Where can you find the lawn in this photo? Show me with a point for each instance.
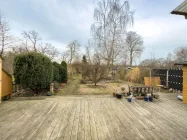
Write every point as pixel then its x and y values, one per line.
pixel 73 87
pixel 101 88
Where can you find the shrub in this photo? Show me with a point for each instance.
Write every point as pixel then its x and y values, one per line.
pixel 33 70
pixel 56 85
pixel 133 75
pixel 64 72
pixel 56 72
pixel 83 81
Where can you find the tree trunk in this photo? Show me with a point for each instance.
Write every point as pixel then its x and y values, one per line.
pixel 35 50
pixel 131 58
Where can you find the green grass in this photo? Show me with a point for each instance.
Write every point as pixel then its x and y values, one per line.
pixel 71 87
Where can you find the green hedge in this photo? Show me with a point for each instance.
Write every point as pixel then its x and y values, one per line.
pixel 33 70
pixel 56 71
pixel 65 72
pixel 62 69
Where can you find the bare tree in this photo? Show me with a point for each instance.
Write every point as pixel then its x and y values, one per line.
pixel 77 67
pixel 48 50
pixel 24 44
pixel 161 63
pixel 73 49
pixel 96 71
pixel 134 46
pixel 124 57
pixel 5 37
pixel 170 61
pixel 150 63
pixel 167 62
pixel 65 56
pixel 20 46
pixel 18 49
pixel 111 20
pixel 181 54
pixel 33 37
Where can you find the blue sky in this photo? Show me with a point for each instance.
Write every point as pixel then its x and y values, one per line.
pixel 61 21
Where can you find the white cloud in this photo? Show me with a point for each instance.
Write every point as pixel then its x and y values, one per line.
pixel 56 21
pixel 60 22
pixel 163 34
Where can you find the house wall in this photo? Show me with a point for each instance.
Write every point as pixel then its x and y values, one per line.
pixel 185 84
pixel 6 84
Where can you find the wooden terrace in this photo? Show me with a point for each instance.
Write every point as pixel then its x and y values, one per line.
pixel 92 117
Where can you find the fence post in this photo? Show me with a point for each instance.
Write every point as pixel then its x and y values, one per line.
pixel 52 87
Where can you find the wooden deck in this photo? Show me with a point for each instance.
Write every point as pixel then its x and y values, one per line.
pixel 92 117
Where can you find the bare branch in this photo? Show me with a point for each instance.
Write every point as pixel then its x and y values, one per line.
pixel 6 38
pixel 33 37
pixel 134 45
pixel 111 21
pixel 48 50
pixel 73 50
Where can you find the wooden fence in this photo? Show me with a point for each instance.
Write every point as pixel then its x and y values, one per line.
pixel 172 78
pixel 153 81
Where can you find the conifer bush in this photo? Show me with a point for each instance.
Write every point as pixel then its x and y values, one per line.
pixel 33 70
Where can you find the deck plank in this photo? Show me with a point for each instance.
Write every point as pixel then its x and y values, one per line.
pixel 81 121
pixel 13 124
pixel 93 122
pixel 93 118
pixel 87 127
pixel 65 120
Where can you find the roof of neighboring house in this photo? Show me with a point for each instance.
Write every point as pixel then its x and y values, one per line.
pixel 7 65
pixel 181 9
pixel 7 72
pixel 181 63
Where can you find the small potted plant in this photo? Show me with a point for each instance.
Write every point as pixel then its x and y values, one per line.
pixel 150 98
pixel 119 95
pixel 146 98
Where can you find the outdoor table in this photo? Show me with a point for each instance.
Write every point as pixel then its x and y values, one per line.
pixel 136 90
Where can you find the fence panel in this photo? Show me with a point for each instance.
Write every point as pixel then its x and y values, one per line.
pixel 175 77
pixel 162 73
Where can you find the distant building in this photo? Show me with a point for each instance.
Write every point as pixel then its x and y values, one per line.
pixel 181 9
